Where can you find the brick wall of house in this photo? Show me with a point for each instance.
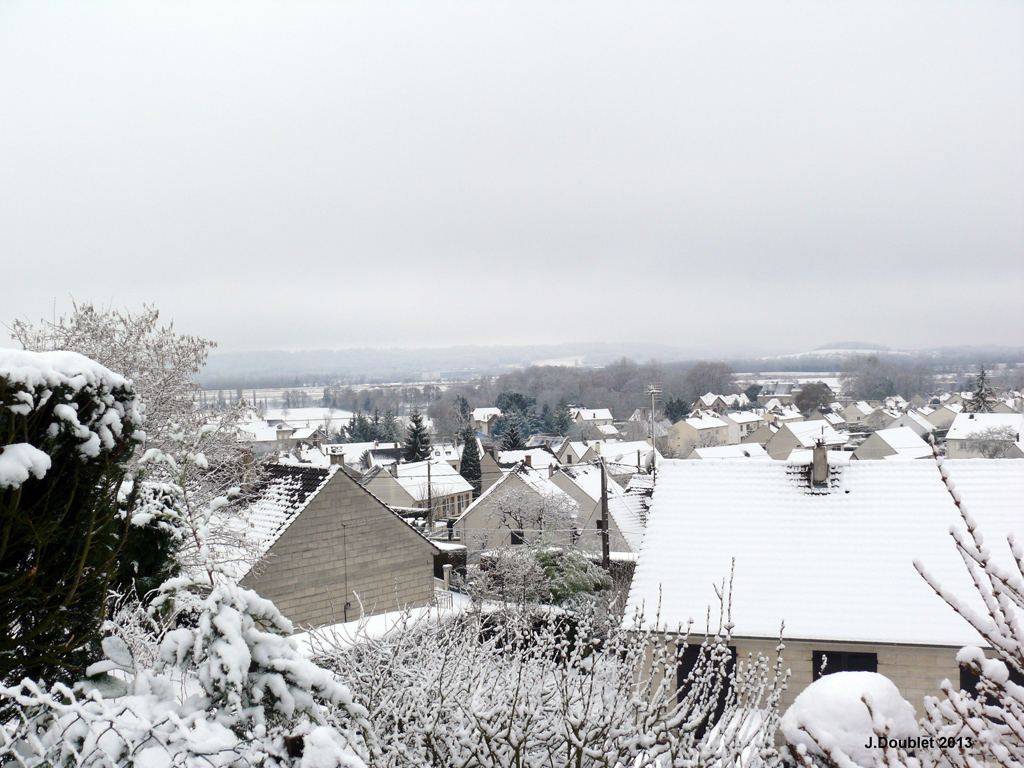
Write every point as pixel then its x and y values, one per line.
pixel 345 543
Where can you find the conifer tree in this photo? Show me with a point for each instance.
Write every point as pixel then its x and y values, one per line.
pixel 470 466
pixel 417 440
pixel 512 440
pixel 981 401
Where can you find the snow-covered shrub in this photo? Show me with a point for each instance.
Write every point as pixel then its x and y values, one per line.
pixel 849 718
pixel 520 687
pixel 230 691
pixel 68 427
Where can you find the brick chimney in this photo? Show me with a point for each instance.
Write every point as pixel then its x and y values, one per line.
pixel 529 460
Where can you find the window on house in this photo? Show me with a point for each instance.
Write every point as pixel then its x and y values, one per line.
pixel 969 681
pixel 687 661
pixel 827 662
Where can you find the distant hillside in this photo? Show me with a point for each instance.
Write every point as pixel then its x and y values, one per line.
pixel 228 369
pixel 853 345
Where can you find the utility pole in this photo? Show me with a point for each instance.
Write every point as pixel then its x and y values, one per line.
pixel 654 390
pixel 606 559
pixel 430 502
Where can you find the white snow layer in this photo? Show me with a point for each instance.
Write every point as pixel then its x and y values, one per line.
pixel 831 714
pixel 18 461
pixel 40 373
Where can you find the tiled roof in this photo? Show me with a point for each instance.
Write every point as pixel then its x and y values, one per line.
pixel 835 565
pixel 283 493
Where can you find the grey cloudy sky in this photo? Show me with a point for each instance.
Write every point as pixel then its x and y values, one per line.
pixel 748 176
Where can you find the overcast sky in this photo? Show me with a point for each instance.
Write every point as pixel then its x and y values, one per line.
pixel 746 176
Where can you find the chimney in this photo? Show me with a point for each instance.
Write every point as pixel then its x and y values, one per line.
pixel 819 463
pixel 529 460
pixel 394 469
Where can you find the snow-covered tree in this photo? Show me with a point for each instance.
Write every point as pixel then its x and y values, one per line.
pixel 161 365
pixel 512 439
pixel 68 429
pixel 982 396
pixel 469 467
pixel 526 688
pixel 417 440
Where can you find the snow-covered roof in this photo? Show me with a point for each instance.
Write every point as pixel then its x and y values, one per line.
pixel 905 442
pixel 743 451
pixel 587 477
pixel 808 432
pixel 283 493
pixel 354 451
pixel 966 424
pixel 607 430
pixel 629 513
pixel 592 414
pixel 329 418
pixel 744 417
pixel 862 408
pixel 534 480
pixel 704 422
pixel 444 480
pixel 486 414
pixel 540 458
pixel 625 451
pixel 444 452
pixel 799 555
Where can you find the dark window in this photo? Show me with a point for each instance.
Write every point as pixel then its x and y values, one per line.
pixel 687 662
pixel 827 662
pixel 969 681
pixel 517 537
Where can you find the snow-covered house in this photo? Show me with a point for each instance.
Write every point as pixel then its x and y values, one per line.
pixel 626 513
pixel 761 435
pixel 322 539
pixel 591 417
pixel 802 435
pixel 484 418
pixel 698 430
pixel 740 424
pixel 574 452
pixel 776 390
pixel 972 435
pixel 943 416
pixel 893 443
pixel 433 485
pixel 352 454
pixel 914 421
pixel 634 454
pixel 518 508
pixel 856 413
pixel 835 562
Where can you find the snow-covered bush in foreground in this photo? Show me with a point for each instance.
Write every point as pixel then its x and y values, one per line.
pixel 542 687
pixel 849 718
pixel 230 691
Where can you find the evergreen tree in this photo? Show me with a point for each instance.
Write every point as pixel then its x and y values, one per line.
pixel 981 401
pixel 676 408
pixel 470 466
pixel 417 440
pixel 563 421
pixel 67 433
pixel 465 414
pixel 389 427
pixel 512 440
